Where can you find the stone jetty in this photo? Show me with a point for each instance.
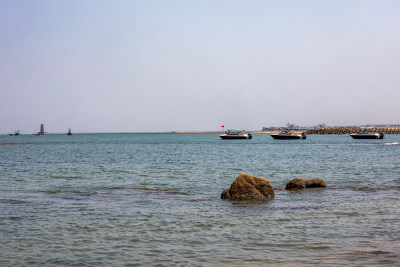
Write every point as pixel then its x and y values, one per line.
pixel 353 129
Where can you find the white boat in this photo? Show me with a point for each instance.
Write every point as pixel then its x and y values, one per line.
pixel 367 135
pixel 236 134
pixel 288 135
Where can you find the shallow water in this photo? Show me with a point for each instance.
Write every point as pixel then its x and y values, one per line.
pixel 154 199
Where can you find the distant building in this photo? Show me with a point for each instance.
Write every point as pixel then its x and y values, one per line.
pixel 269 129
pixel 289 127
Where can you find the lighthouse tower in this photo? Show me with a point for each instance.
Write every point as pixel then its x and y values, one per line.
pixel 42 132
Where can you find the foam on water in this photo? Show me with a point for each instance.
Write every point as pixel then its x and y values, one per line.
pixel 392 144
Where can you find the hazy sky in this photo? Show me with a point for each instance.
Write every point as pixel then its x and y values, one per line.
pixel 148 65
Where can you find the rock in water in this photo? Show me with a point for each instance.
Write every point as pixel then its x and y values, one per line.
pixel 297 183
pixel 316 183
pixel 225 194
pixel 301 183
pixel 248 186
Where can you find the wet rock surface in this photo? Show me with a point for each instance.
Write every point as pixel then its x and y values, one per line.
pixel 301 183
pixel 247 186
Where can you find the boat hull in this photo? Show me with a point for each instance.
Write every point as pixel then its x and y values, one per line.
pixel 235 136
pixel 367 136
pixel 288 136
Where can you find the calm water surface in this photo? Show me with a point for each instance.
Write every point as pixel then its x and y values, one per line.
pixel 154 199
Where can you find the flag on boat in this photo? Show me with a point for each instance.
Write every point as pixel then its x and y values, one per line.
pixel 223 126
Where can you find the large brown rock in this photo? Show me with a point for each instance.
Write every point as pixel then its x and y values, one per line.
pixel 301 183
pixel 248 186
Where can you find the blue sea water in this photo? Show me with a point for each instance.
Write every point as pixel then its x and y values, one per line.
pixel 154 199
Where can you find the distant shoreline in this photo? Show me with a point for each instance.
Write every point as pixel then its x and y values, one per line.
pixel 170 132
pixel 327 130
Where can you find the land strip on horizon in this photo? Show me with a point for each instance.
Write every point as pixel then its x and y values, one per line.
pixel 327 130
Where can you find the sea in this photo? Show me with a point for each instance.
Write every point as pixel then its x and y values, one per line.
pixel 155 200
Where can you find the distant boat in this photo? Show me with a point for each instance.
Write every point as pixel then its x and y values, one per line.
pixel 236 134
pixel 16 133
pixel 366 135
pixel 288 135
pixel 69 132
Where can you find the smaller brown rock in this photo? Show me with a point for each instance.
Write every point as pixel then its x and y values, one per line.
pixel 301 183
pixel 297 183
pixel 315 183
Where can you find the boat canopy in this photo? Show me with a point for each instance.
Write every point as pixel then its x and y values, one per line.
pixel 233 129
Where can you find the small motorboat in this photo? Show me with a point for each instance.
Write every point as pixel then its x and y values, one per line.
pixel 16 133
pixel 236 134
pixel 288 135
pixel 367 135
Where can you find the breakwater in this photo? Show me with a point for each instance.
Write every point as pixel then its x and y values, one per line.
pixel 353 129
